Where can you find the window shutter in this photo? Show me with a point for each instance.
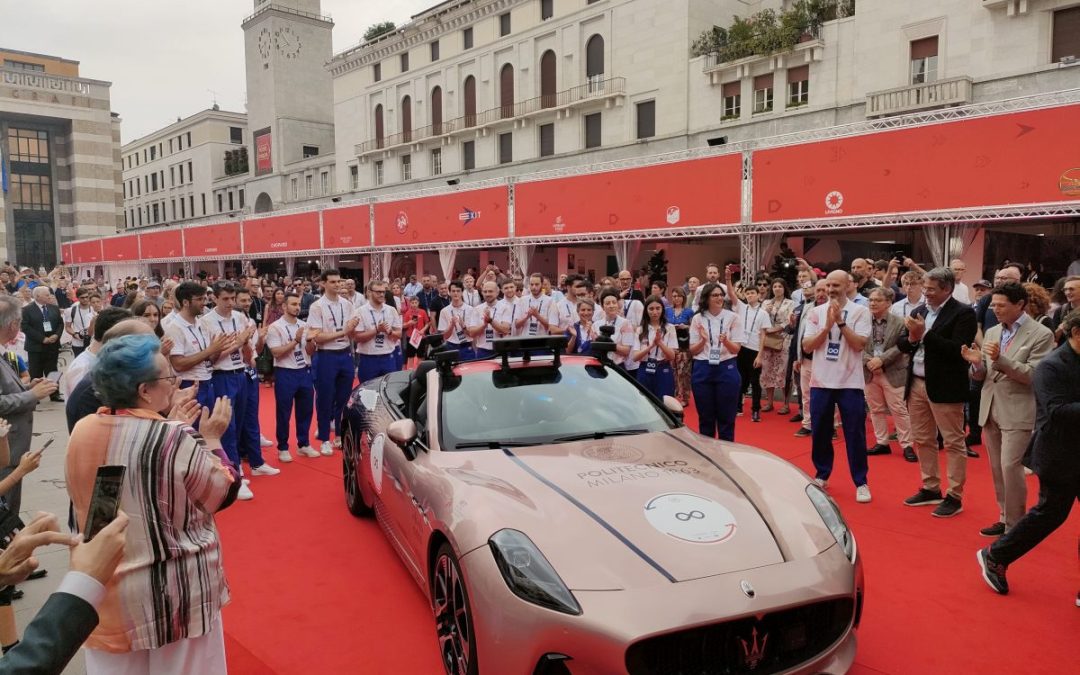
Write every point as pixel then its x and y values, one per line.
pixel 1066 40
pixel 799 74
pixel 732 89
pixel 763 82
pixel 924 48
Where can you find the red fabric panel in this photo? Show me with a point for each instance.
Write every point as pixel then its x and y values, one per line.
pixel 666 196
pixel 1019 158
pixel 118 249
pixel 163 244
pixel 347 227
pixel 278 234
pixel 83 252
pixel 212 240
pixel 469 215
pixel 65 253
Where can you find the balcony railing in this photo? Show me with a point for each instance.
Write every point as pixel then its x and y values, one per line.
pixel 915 97
pixel 594 88
pixel 740 52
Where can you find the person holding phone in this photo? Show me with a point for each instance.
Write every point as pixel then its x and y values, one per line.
pixel 30 461
pixel 173 586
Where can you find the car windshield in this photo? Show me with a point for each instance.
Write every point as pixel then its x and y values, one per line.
pixel 538 405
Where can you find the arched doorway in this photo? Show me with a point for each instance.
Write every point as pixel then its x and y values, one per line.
pixel 380 130
pixel 263 203
pixel 436 111
pixel 406 119
pixel 506 91
pixel 548 85
pixel 594 61
pixel 470 101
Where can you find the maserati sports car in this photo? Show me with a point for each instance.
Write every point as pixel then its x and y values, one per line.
pixel 563 520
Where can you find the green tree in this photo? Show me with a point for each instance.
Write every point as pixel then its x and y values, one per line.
pixel 379 29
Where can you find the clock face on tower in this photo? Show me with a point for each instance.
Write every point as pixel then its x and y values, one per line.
pixel 287 42
pixel 265 44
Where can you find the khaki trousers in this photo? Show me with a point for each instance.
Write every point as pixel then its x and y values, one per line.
pixel 884 398
pixel 927 419
pixel 805 370
pixel 1006 448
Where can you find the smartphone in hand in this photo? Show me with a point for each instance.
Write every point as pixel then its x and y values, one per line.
pixel 54 376
pixel 105 501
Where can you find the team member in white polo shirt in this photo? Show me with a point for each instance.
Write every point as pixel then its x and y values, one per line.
pixel 378 333
pixel 482 343
pixel 331 321
pixel 754 322
pixel 623 336
pixel 470 294
pixel 836 333
pixel 507 312
pixel 564 310
pixel 534 315
pixel 715 340
pixel 458 322
pixel 78 319
pixel 293 382
pixel 194 352
pixel 250 429
pixel 912 284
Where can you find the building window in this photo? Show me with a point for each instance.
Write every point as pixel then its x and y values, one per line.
pixel 157 213
pixel 310 151
pixel 404 62
pixel 191 205
pixel 466 38
pixel 28 145
pixel 188 139
pixel 30 192
pixel 506 148
pixel 239 194
pixel 179 143
pixel 236 134
pixel 547 9
pixel 406 167
pixel 468 155
pixel 378 173
pixel 592 131
pixel 924 57
pixel 181 174
pixel 22 65
pixel 798 86
pixel 763 93
pixel 504 24
pixel 469 88
pixel 172 176
pixel 436 161
pixel 646 119
pixel 203 205
pixel 153 152
pixel 232 204
pixel 170 146
pixel 594 60
pixel 376 71
pixel 309 185
pixel 220 203
pixel 354 177
pixel 153 182
pixel 435 50
pixel 1065 41
pixel 294 186
pixel 732 92
pixel 183 210
pixel 547 140
pixel 191 174
pixel 324 182
pixel 172 205
pixel 506 91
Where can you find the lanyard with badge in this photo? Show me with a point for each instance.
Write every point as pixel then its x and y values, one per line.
pixel 832 348
pixel 460 333
pixel 201 343
pixel 489 330
pixel 235 356
pixel 879 337
pixel 298 350
pixel 583 345
pixel 380 338
pixel 750 322
pixel 534 324
pixel 654 353
pixel 715 350
pixel 46 325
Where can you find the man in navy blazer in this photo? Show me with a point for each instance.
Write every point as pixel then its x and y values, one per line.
pixel 1052 455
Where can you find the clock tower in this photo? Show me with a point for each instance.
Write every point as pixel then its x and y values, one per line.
pixel 290 96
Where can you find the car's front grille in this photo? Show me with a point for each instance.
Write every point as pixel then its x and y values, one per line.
pixel 778 641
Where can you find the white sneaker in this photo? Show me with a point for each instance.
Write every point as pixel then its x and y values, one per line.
pixel 862 494
pixel 265 442
pixel 307 451
pixel 326 449
pixel 337 442
pixel 265 470
pixel 284 457
pixel 821 483
pixel 245 492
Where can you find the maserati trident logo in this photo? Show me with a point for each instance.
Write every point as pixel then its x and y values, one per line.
pixel 753 652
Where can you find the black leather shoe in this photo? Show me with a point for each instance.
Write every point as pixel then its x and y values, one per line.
pixel 803 432
pixel 38 574
pixel 56 398
pixel 797 417
pixel 879 449
pixel 923 497
pixel 909 454
pixel 17 594
pixel 995 530
pixel 949 507
pixel 971 453
pixel 993 572
pixel 755 416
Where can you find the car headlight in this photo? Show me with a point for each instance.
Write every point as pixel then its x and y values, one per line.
pixel 528 573
pixel 830 513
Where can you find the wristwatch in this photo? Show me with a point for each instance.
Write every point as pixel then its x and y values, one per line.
pixel 841 325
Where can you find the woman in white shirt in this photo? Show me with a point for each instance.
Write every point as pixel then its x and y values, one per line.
pixel 715 334
pixel 624 332
pixel 755 321
pixel 656 349
pixel 582 332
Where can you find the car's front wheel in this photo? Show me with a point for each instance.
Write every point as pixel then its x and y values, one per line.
pixel 453 614
pixel 351 460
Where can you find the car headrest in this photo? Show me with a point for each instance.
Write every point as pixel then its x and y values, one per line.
pixel 418 386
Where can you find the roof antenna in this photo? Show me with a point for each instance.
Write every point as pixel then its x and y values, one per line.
pixel 213 97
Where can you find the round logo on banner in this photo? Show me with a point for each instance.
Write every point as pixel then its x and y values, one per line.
pixel 691 518
pixel 402 222
pixel 833 201
pixel 673 215
pixel 376 460
pixel 560 224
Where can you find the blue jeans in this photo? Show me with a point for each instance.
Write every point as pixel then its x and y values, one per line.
pixel 716 395
pixel 333 384
pixel 293 386
pixel 852 404
pixel 661 382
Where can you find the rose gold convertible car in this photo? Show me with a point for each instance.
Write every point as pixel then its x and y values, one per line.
pixel 563 520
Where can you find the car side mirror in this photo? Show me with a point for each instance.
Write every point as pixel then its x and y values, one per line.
pixel 403 433
pixel 674 407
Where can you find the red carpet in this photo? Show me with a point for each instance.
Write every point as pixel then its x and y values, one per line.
pixel 316 590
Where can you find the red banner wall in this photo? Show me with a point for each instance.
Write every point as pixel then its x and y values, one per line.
pixel 675 196
pixel 83 252
pixel 120 249
pixel 279 234
pixel 163 244
pixel 469 215
pixel 347 227
pixel 212 240
pixel 65 253
pixel 1021 158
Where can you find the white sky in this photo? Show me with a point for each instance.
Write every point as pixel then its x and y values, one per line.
pixel 162 56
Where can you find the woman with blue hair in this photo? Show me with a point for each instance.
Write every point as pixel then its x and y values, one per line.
pixel 162 608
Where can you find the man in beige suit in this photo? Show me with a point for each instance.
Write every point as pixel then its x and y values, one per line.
pixel 885 368
pixel 1011 350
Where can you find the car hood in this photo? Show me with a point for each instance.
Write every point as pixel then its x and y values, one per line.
pixel 671 506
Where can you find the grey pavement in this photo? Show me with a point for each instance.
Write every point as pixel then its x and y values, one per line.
pixel 44 490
